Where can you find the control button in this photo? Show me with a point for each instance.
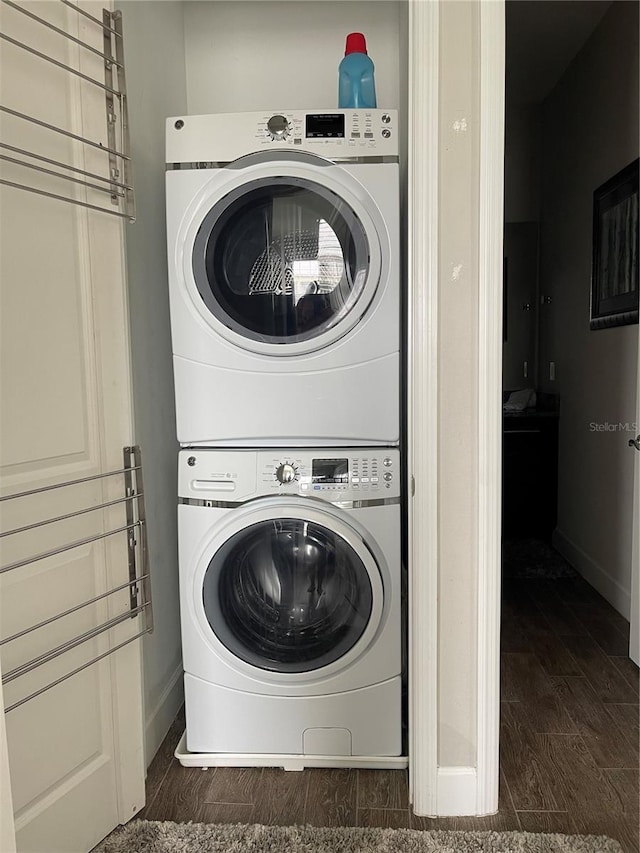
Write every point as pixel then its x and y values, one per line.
pixel 374 479
pixel 278 127
pixel 388 476
pixel 355 479
pixel 316 488
pixel 375 486
pixel 386 118
pixel 386 132
pixel 368 136
pixel 304 487
pixel 387 485
pixel 356 486
pixel 387 463
pixel 286 473
pixel 365 479
pixel 355 135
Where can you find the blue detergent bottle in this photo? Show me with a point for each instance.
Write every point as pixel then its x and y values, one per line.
pixel 356 86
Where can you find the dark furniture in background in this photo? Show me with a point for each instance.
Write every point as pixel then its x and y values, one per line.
pixel 529 474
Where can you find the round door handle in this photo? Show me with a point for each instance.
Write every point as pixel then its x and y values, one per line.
pixel 635 442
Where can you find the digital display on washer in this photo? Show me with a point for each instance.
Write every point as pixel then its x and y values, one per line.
pixel 330 471
pixel 325 126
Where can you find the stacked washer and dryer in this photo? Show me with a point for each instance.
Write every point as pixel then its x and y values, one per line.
pixel 284 266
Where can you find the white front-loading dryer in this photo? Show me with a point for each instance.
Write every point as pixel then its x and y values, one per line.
pixel 290 603
pixel 284 278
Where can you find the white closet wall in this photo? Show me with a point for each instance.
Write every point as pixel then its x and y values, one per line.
pixel 259 54
pixel 154 49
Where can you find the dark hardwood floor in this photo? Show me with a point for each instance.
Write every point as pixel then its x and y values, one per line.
pixel 569 743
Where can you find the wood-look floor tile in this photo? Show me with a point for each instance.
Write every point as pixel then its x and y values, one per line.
pixel 554 656
pixel 238 785
pixel 547 822
pixel 384 818
pixel 521 763
pixel 282 797
pixel 226 813
pixel 162 761
pixel 593 719
pixel 530 684
pixel 576 590
pixel 622 829
pixel 629 671
pixel 596 807
pixel 602 672
pixel 627 784
pixel 182 794
pixel 626 718
pixel 383 789
pixel 560 617
pixel 609 612
pixel 509 684
pixel 514 667
pixel 512 636
pixel 332 798
pixel 611 634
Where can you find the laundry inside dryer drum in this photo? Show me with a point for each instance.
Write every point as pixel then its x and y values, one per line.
pixel 287 595
pixel 281 260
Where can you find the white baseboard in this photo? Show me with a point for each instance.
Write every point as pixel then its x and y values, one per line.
pixel 599 578
pixel 457 791
pixel 160 718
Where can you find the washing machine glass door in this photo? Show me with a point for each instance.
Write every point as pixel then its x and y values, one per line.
pixel 287 595
pixel 281 260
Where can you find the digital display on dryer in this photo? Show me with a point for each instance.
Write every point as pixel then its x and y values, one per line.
pixel 330 471
pixel 325 126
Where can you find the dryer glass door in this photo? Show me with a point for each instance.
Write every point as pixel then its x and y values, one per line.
pixel 281 260
pixel 287 595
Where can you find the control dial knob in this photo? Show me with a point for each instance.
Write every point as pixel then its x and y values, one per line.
pixel 286 473
pixel 278 127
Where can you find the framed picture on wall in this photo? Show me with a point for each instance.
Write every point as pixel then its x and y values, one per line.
pixel 614 273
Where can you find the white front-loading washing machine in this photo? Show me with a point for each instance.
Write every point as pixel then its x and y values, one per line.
pixel 284 277
pixel 290 605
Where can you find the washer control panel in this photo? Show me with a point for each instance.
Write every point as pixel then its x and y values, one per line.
pixel 333 134
pixel 329 474
pixel 349 131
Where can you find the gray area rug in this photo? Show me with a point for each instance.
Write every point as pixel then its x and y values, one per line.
pixel 143 836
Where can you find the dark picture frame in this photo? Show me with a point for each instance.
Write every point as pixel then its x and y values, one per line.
pixel 614 272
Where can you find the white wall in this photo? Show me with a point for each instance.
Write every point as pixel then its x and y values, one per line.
pixel 255 55
pixel 590 132
pixel 156 82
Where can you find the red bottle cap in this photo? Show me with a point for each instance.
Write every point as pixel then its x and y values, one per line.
pixel 356 43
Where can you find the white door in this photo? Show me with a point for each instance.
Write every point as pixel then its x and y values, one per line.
pixel 634 640
pixel 75 751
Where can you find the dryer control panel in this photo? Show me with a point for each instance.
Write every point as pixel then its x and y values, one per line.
pixel 333 475
pixel 211 140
